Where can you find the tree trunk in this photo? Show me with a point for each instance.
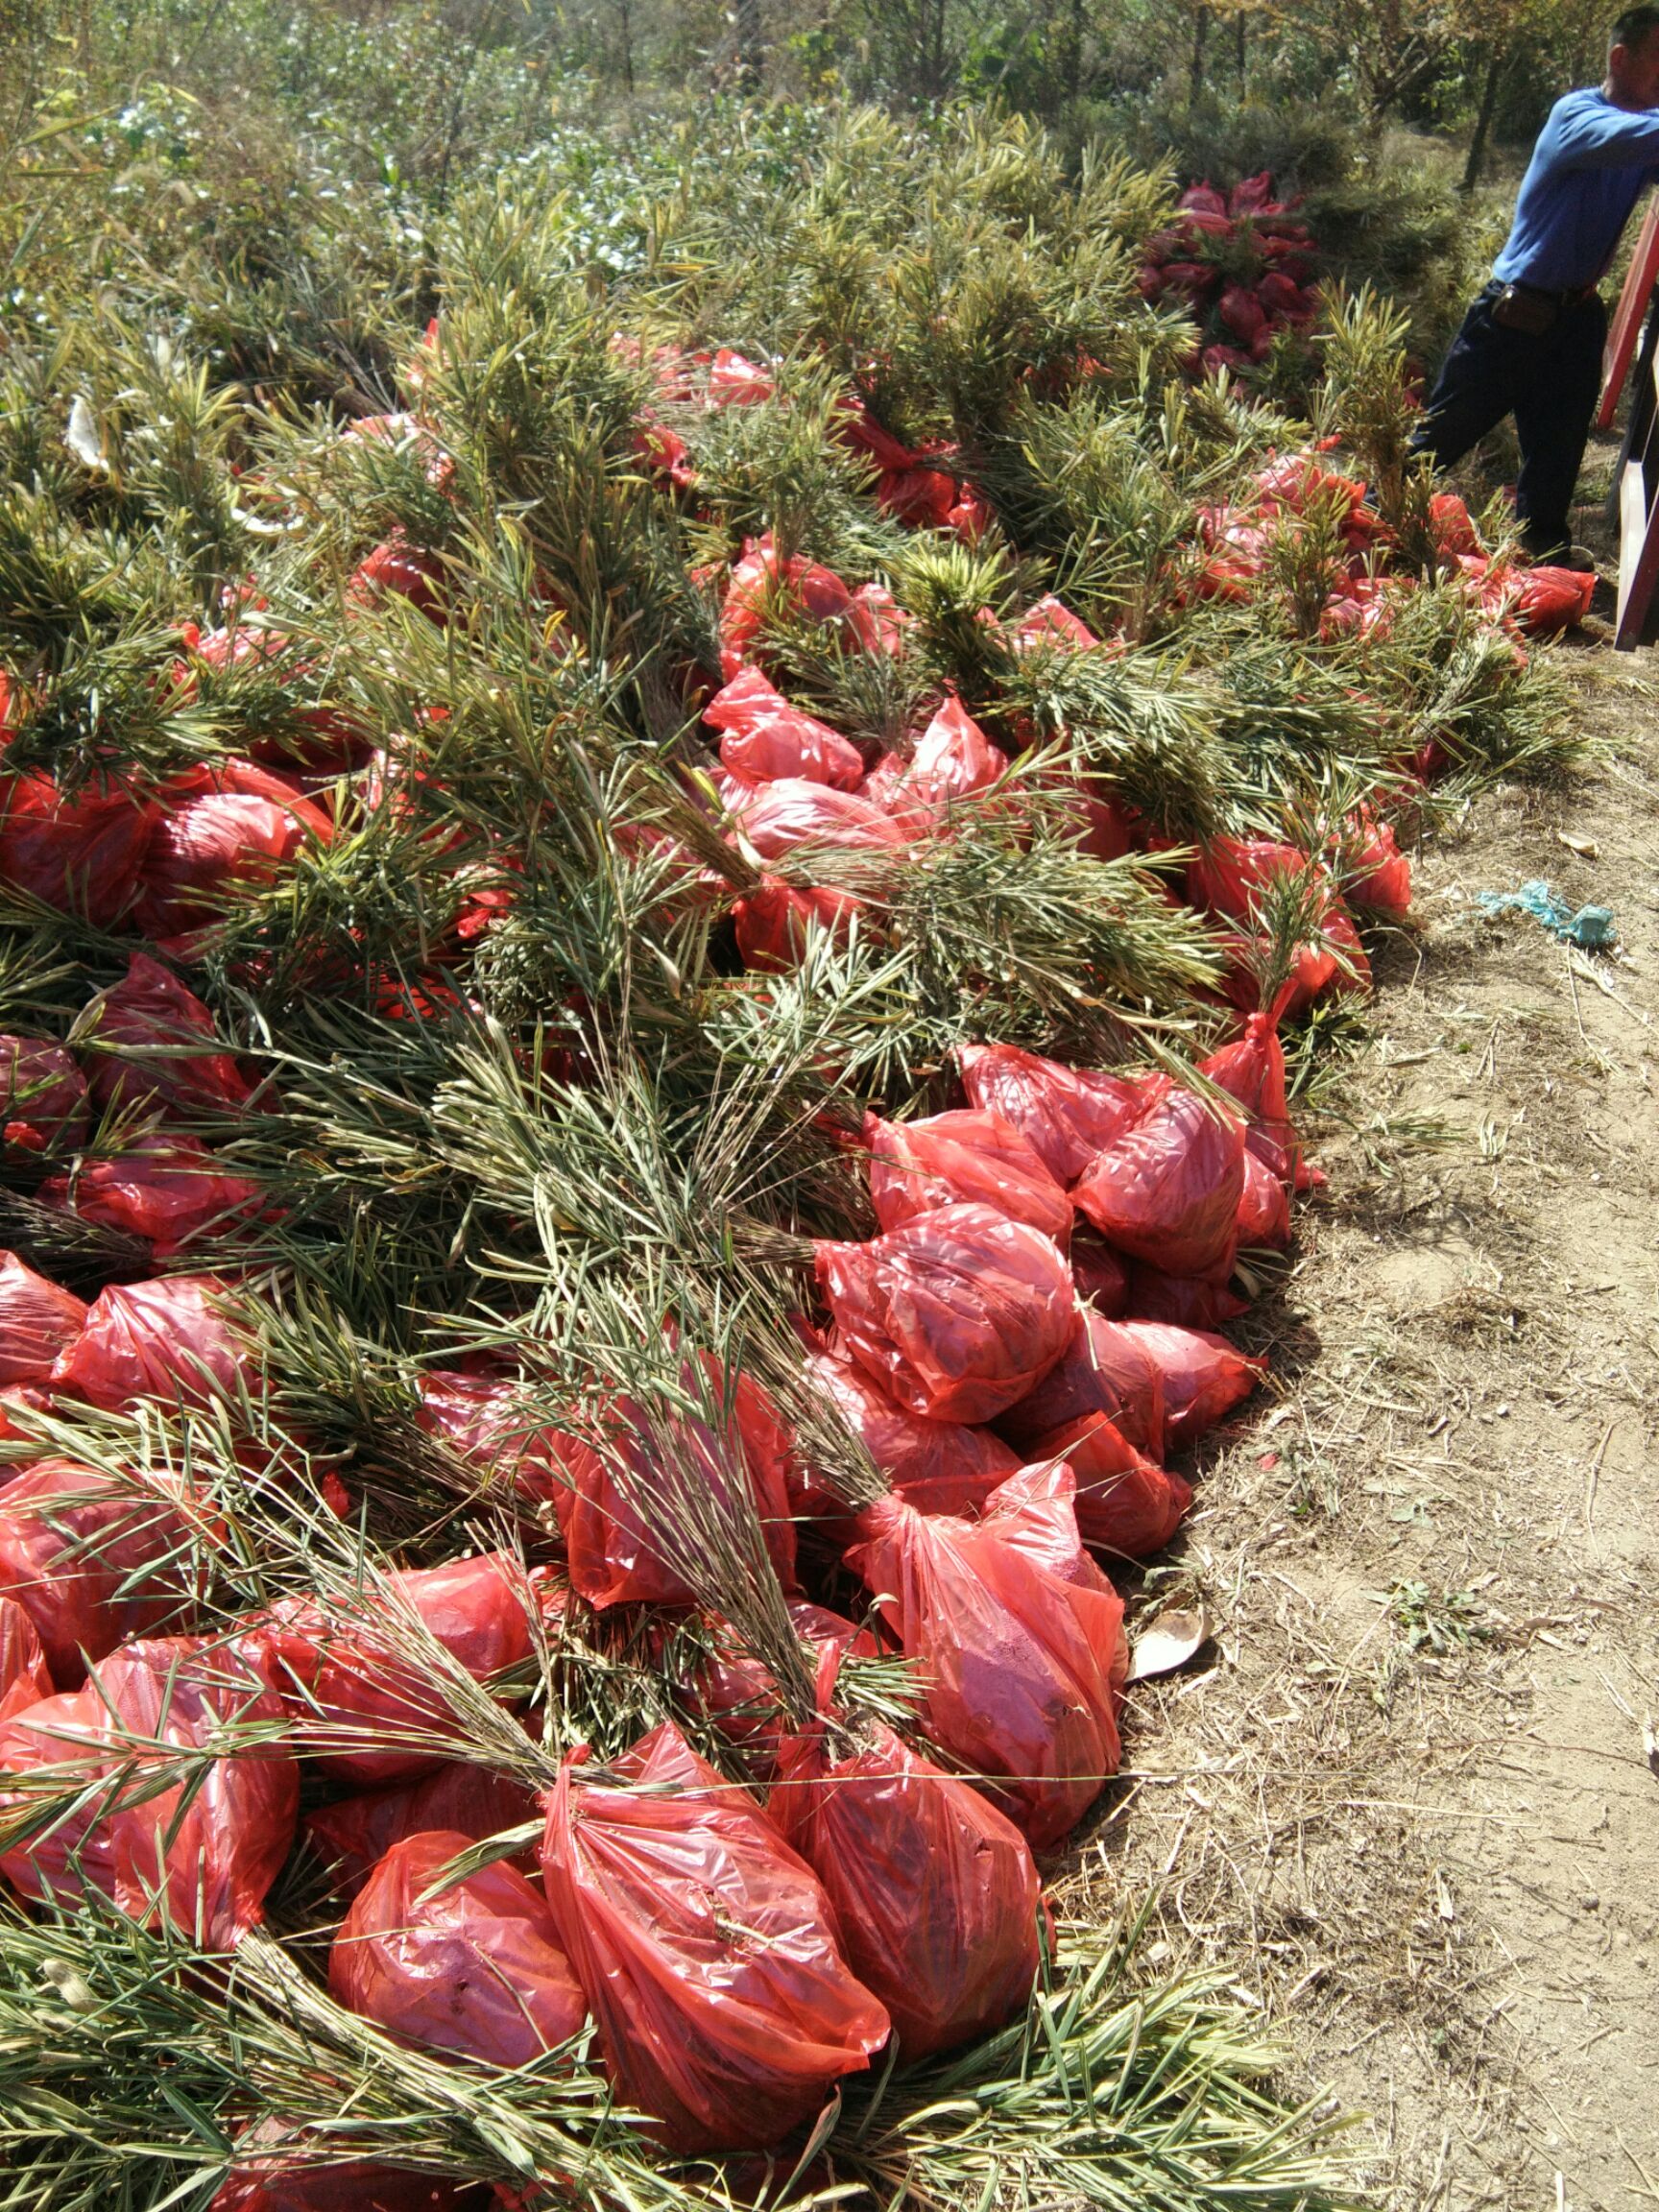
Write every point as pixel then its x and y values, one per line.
pixel 1497 62
pixel 1200 37
pixel 1240 33
pixel 750 69
pixel 626 15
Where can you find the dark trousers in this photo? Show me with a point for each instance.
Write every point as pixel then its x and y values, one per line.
pixel 1550 384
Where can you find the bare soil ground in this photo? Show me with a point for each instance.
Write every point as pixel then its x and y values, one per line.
pixel 1408 1795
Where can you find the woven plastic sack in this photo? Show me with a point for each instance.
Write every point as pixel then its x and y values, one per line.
pixel 94 1557
pixel 149 1041
pixel 168 1188
pixel 368 1709
pixel 354 1836
pixel 206 1851
pixel 1252 1070
pixel 764 737
pixel 778 817
pixel 708 1951
pixel 170 1339
pixel 975 1158
pixel 935 1892
pixel 1104 1369
pixel 25 1677
pixel 1125 1503
pixel 775 922
pixel 42 1096
pixel 958 1315
pixel 936 1466
pixel 82 855
pixel 1068 1115
pixel 39 1320
pixel 1204 1377
pixel 473 1967
pixel 1017 1663
pixel 1168 1190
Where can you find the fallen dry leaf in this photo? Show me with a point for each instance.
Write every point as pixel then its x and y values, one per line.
pixel 1166 1643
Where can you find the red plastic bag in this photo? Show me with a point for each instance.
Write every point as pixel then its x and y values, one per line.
pixel 735 381
pixel 740 1694
pixel 1049 621
pixel 148 1040
pixel 368 1708
pixel 1190 1301
pixel 1100 1275
pixel 1545 599
pixel 168 1339
pixel 1252 1069
pixel 1229 874
pixel 1452 525
pixel 936 1466
pixel 706 1948
pixel 1070 1115
pixel 42 1096
pixel 760 581
pixel 1168 1190
pixel 1203 1376
pixel 1104 1369
pixel 94 1557
pixel 789 812
pixel 957 1315
pixel 617 1553
pixel 208 849
pixel 954 758
pixel 975 1158
pixel 1380 875
pixel 82 855
pixel 205 1850
pixel 396 568
pixel 485 1420
pixel 766 737
pixel 473 1968
pixel 39 1320
pixel 1264 1209
pixel 25 1677
pixel 1018 1664
pixel 935 1892
pixel 270 2174
pixel 775 922
pixel 167 1189
pixel 352 1836
pixel 1124 1503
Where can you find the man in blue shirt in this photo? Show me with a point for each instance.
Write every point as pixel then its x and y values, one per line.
pixel 1531 344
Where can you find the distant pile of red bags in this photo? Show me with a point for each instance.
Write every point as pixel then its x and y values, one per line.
pixel 1240 264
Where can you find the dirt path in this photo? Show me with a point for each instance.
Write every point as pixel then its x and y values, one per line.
pixel 1411 1801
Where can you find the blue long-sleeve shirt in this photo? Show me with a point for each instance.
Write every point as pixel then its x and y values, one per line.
pixel 1587 172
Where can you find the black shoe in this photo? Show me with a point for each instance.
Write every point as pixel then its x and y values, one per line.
pixel 1555 549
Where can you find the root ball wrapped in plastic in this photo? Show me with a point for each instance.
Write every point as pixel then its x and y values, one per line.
pixel 975 1158
pixel 936 1466
pixel 1203 1376
pixel 169 1189
pixel 42 1097
pixel 958 1315
pixel 1021 1667
pixel 1125 1503
pixel 94 1556
pixel 775 922
pixel 355 1688
pixel 25 1677
pixel 1105 1369
pixel 471 1967
pixel 1068 1115
pixel 39 1321
pixel 80 854
pixel 706 1948
pixel 935 1892
pixel 203 1848
pixel 149 1041
pixel 350 1837
pixel 1252 1070
pixel 764 737
pixel 172 1339
pixel 1168 1190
